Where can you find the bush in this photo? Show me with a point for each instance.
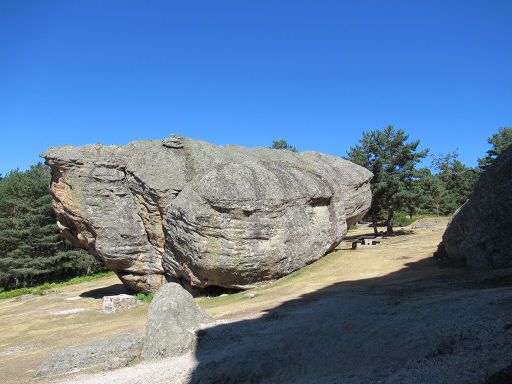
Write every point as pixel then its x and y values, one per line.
pixel 402 220
pixel 145 297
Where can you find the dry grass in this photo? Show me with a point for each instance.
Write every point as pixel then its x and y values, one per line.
pixel 31 329
pixel 340 266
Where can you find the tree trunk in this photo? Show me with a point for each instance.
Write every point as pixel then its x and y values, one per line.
pixel 375 230
pixel 389 221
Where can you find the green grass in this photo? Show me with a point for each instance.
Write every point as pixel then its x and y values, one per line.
pixel 428 216
pixel 144 297
pixel 43 288
pixel 402 220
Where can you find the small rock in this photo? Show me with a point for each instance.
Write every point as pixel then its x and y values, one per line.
pixel 113 304
pixel 173 319
pixel 26 297
pixel 427 223
pixel 18 349
pixel 173 141
pixel 251 295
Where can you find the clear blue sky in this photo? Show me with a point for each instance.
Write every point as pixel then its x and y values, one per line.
pixel 317 73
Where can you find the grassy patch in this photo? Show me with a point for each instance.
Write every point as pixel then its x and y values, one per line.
pixel 402 220
pixel 428 216
pixel 41 289
pixel 290 276
pixel 145 297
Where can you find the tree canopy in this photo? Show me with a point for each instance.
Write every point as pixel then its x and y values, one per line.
pixel 31 248
pixel 392 159
pixel 459 180
pixel 499 142
pixel 283 144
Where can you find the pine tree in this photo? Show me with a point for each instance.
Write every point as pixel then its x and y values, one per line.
pixel 458 179
pixel 31 247
pixel 283 144
pixel 431 194
pixel 499 141
pixel 392 159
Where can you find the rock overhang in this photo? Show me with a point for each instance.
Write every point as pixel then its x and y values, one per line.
pixel 186 210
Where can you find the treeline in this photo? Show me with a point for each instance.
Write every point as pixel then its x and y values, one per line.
pixel 401 187
pixel 32 250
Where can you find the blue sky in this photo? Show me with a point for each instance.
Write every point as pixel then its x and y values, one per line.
pixel 317 73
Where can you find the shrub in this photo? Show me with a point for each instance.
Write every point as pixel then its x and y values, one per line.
pixel 402 220
pixel 145 297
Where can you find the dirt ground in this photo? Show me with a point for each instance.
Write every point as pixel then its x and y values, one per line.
pixel 33 328
pixel 343 265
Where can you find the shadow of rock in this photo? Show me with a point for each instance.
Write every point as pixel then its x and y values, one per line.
pixel 396 233
pixel 502 377
pixel 116 289
pixel 393 329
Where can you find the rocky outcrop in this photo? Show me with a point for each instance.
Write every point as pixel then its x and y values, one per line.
pixel 173 320
pixel 205 215
pixel 108 353
pixel 480 232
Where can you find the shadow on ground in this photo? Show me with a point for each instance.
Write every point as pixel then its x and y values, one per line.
pixel 399 232
pixel 455 327
pixel 115 289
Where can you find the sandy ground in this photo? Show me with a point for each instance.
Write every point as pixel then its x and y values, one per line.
pixel 387 314
pixel 448 338
pixel 344 265
pixel 32 329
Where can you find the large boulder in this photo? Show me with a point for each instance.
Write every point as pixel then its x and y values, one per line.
pixel 480 232
pixel 173 321
pixel 184 210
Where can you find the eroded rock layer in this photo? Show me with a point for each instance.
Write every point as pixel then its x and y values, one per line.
pixel 182 209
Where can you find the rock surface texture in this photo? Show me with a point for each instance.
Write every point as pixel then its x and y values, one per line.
pixel 108 353
pixel 184 210
pixel 480 232
pixel 117 303
pixel 173 319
